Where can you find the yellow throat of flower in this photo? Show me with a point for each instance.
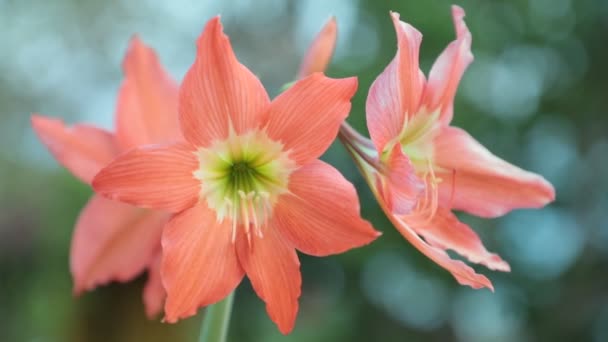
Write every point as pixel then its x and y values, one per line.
pixel 242 178
pixel 416 140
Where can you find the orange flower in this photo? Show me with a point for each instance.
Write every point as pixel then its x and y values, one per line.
pixel 425 167
pixel 114 241
pixel 320 51
pixel 247 186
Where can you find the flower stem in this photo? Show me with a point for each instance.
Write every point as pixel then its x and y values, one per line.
pixel 216 321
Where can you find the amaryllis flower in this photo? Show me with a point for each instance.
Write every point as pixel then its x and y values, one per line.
pixel 247 187
pixel 115 241
pixel 320 51
pixel 428 167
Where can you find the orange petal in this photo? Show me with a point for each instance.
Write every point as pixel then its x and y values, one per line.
pixel 397 91
pixel 400 187
pixel 448 70
pixel 82 149
pixel 320 215
pixel 112 242
pixel 147 100
pixel 218 91
pixel 321 50
pixel 154 292
pixel 445 231
pixel 199 266
pixel 463 273
pixel 159 177
pixel 307 116
pixel 273 268
pixel 482 184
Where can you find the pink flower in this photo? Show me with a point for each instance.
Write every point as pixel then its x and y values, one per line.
pixel 429 167
pixel 114 241
pixel 247 187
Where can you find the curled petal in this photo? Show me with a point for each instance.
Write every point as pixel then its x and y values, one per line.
pixel 445 231
pixel 399 186
pixel 82 149
pixel 154 292
pixel 200 265
pixel 273 267
pixel 463 273
pixel 321 50
pixel 397 91
pixel 113 241
pixel 320 215
pixel 478 182
pixel 158 177
pixel 218 91
pixel 306 117
pixel 147 101
pixel 447 71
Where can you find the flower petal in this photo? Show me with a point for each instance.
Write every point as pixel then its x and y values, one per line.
pixel 158 177
pixel 397 91
pixel 154 292
pixel 320 215
pixel 147 101
pixel 321 50
pixel 463 273
pixel 82 149
pixel 200 265
pixel 482 184
pixel 306 117
pixel 445 231
pixel 399 186
pixel 273 268
pixel 448 70
pixel 218 91
pixel 112 241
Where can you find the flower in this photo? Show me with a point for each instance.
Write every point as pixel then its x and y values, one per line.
pixel 426 167
pixel 114 241
pixel 247 187
pixel 320 51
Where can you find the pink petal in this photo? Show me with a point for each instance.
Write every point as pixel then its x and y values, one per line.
pixel 448 70
pixel 464 274
pixel 199 266
pixel 399 186
pixel 320 215
pixel 397 91
pixel 306 117
pixel 482 184
pixel 445 231
pixel 154 292
pixel 112 242
pixel 218 91
pixel 82 149
pixel 273 268
pixel 321 50
pixel 158 177
pixel 147 101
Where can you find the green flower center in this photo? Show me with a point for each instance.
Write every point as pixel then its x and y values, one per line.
pixel 242 178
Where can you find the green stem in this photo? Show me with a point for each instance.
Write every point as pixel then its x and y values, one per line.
pixel 216 321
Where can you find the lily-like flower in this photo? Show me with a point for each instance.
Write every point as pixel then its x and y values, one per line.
pixel 247 187
pixel 114 241
pixel 321 50
pixel 420 168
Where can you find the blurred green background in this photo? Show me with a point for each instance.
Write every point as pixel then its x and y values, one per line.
pixel 536 95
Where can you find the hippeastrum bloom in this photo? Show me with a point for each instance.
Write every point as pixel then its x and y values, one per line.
pixel 247 187
pixel 423 167
pixel 115 241
pixel 320 51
